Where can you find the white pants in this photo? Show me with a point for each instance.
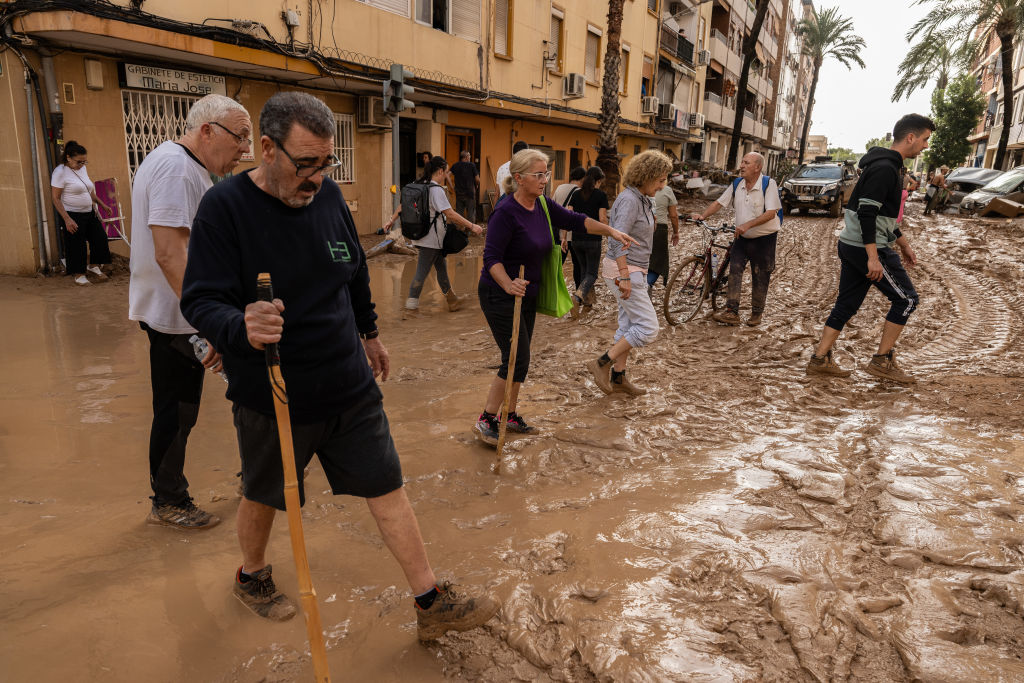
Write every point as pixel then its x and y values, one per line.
pixel 638 321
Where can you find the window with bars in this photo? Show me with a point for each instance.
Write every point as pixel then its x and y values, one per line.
pixel 397 6
pixel 344 149
pixel 503 28
pixel 150 119
pixel 591 55
pixel 555 39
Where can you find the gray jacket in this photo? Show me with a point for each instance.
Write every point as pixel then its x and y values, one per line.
pixel 633 214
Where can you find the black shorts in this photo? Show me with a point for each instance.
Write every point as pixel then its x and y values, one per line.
pixel 355 450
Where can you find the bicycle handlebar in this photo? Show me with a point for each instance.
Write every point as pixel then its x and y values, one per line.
pixel 721 228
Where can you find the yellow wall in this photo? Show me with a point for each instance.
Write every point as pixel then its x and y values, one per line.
pixel 18 252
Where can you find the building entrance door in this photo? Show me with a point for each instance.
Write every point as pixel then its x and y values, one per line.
pixel 458 139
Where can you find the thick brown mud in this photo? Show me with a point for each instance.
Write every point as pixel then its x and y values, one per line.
pixel 739 522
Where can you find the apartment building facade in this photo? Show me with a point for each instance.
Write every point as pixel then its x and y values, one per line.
pixel 119 77
pixel 794 83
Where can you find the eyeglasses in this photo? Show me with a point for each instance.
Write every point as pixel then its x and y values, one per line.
pixel 80 162
pixel 242 141
pixel 538 175
pixel 306 171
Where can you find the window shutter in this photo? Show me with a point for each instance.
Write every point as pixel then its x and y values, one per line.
pixel 590 63
pixel 397 6
pixel 466 19
pixel 555 40
pixel 652 5
pixel 501 46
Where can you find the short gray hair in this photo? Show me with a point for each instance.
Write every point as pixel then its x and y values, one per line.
pixel 284 109
pixel 759 157
pixel 211 108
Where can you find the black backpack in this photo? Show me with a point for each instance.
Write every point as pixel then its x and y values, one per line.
pixel 415 214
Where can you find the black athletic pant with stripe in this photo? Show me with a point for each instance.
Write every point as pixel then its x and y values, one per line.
pixel 854 285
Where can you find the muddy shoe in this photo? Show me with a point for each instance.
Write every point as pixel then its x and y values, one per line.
pixel 517 424
pixel 621 384
pixel 487 429
pixel 824 365
pixel 754 320
pixel 883 366
pixel 261 596
pixel 410 313
pixel 577 304
pixel 591 298
pixel 454 302
pixel 187 516
pixel 454 610
pixel 602 375
pixel 726 317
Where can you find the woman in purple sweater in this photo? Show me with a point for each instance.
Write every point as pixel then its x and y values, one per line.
pixel 518 234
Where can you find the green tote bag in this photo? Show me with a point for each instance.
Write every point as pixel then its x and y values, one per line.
pixel 553 298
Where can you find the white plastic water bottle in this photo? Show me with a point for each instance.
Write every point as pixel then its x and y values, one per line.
pixel 714 263
pixel 201 348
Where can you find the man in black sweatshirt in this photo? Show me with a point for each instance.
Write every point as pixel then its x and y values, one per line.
pixel 287 218
pixel 866 253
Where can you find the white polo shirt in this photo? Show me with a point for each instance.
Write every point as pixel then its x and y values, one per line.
pixel 750 205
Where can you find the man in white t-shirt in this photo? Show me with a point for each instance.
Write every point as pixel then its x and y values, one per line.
pixel 756 202
pixel 503 171
pixel 165 195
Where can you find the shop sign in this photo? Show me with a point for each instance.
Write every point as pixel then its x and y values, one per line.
pixel 170 80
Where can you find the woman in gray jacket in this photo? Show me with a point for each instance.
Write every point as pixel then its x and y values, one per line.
pixel 625 271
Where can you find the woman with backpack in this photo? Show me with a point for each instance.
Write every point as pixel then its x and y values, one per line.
pixel 519 233
pixel 586 249
pixel 431 245
pixel 625 272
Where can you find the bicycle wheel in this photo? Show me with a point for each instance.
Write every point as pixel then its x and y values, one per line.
pixel 721 292
pixel 685 291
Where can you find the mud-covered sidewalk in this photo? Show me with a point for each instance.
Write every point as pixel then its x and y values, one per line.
pixel 739 522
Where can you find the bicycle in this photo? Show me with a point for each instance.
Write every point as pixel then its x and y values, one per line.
pixel 696 279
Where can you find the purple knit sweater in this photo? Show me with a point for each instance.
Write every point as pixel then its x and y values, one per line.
pixel 517 236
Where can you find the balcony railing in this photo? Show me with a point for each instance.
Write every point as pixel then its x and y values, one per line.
pixel 715 33
pixel 676 45
pixel 713 97
pixel 749 115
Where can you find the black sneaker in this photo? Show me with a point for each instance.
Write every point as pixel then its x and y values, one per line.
pixel 185 516
pixel 261 596
pixel 454 610
pixel 517 424
pixel 487 429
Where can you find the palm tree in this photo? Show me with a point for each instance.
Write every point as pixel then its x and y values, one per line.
pixel 960 20
pixel 827 34
pixel 930 58
pixel 608 130
pixel 749 44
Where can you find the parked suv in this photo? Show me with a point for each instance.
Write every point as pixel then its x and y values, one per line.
pixel 825 185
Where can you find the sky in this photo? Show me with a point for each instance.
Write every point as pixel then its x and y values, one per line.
pixel 852 107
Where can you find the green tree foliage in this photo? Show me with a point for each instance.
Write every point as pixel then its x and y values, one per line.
pixel 928 59
pixel 956 111
pixel 884 141
pixel 843 154
pixel 827 34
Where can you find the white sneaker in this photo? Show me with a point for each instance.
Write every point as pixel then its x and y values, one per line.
pixel 95 270
pixel 82 280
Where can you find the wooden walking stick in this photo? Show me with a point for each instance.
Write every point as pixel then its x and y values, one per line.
pixel 291 499
pixel 509 380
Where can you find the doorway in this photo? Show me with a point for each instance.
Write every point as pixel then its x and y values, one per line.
pixel 458 139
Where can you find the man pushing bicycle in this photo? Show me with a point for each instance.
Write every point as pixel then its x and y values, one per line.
pixel 755 198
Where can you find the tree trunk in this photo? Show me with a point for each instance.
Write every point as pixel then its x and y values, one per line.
pixel 749 52
pixel 608 131
pixel 810 110
pixel 1006 52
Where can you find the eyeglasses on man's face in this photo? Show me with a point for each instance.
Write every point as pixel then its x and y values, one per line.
pixel 241 140
pixel 539 175
pixel 306 170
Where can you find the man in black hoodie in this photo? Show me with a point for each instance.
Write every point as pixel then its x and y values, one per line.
pixel 866 253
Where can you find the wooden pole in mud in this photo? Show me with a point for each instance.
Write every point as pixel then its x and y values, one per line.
pixel 292 504
pixel 510 378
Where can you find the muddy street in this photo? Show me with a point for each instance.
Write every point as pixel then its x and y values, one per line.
pixel 741 521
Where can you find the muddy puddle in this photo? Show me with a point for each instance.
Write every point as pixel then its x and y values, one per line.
pixel 740 522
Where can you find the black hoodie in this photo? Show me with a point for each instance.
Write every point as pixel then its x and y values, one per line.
pixel 874 205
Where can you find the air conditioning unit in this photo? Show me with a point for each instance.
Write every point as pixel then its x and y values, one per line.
pixel 370 113
pixel 649 105
pixel 666 112
pixel 696 120
pixel 703 57
pixel 573 86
